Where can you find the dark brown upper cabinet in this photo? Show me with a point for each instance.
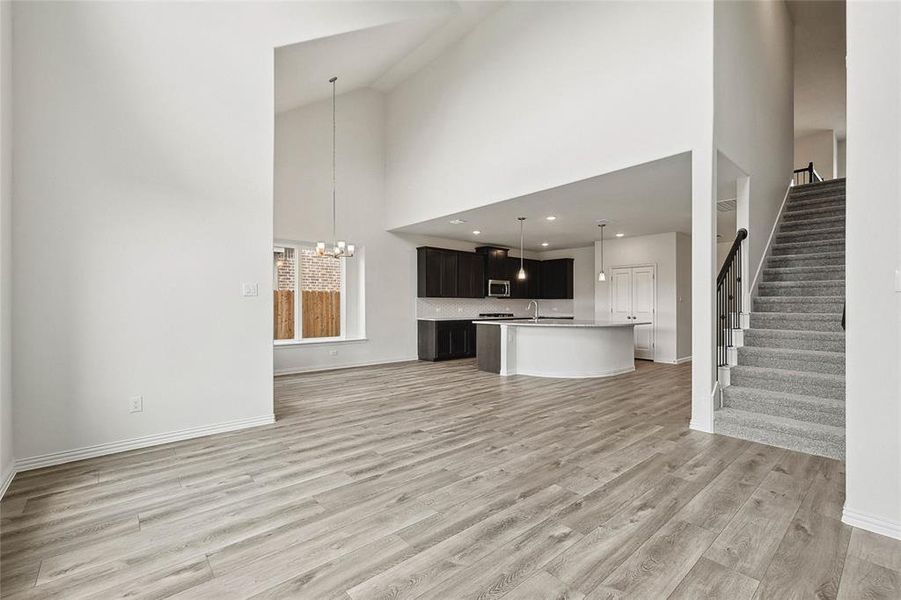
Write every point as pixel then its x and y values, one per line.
pixel 445 273
pixel 470 275
pixel 528 288
pixel 495 262
pixel 557 279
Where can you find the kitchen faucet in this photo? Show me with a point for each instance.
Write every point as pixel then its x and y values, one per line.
pixel 535 302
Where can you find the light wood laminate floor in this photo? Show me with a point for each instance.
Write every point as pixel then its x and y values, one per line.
pixel 423 480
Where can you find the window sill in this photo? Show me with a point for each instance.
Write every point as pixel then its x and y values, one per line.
pixel 318 341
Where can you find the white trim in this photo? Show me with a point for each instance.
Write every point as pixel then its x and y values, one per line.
pixel 871 522
pixel 697 425
pixel 298 371
pixel 316 341
pixel 58 458
pixel 752 291
pixel 610 373
pixel 8 478
pixel 683 360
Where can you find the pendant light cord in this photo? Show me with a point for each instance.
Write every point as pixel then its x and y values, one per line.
pixel 521 249
pixel 602 246
pixel 334 163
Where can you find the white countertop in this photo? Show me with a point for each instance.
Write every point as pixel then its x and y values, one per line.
pixel 562 323
pixel 492 319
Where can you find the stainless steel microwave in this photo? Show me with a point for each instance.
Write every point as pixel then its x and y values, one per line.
pixel 498 288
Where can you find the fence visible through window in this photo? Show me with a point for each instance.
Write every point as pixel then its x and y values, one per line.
pixel 306 294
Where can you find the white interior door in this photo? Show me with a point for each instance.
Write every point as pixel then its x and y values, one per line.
pixel 633 296
pixel 643 309
pixel 620 294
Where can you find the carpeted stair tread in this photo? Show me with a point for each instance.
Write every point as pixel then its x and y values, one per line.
pixel 813 223
pixel 804 260
pixel 794 289
pixel 802 214
pixel 810 409
pixel 791 274
pixel 791 324
pixel 822 341
pixel 799 304
pixel 808 247
pixel 831 233
pixel 823 385
pixel 795 359
pixel 809 199
pixel 812 438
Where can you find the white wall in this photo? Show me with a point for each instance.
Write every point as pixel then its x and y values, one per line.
pixel 820 148
pixel 873 261
pixel 661 250
pixel 722 251
pixel 142 200
pixel 303 212
pixel 542 94
pixel 6 401
pixel 584 277
pixel 754 108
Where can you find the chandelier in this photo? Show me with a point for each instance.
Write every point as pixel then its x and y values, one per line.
pixel 338 248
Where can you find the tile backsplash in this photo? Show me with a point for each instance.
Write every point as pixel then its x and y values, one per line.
pixel 471 307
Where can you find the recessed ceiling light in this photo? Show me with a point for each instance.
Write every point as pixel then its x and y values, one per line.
pixel 545 244
pixel 551 218
pixel 457 221
pixel 620 234
pixel 476 232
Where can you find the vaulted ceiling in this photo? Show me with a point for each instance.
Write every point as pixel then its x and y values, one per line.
pixel 377 57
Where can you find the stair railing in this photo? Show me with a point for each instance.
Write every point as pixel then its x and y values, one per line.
pixel 806 175
pixel 728 300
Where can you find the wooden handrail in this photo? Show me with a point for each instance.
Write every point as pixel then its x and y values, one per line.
pixel 740 236
pixel 728 300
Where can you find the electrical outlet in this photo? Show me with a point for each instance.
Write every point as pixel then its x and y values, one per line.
pixel 250 290
pixel 333 352
pixel 136 404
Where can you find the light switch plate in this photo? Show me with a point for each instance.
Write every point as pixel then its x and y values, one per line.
pixel 250 289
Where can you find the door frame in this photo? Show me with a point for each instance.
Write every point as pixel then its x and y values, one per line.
pixel 653 266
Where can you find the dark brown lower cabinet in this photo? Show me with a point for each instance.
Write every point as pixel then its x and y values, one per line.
pixel 444 340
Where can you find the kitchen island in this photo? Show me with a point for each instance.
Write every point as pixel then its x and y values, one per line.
pixel 556 347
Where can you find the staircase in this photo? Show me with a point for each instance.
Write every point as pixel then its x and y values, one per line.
pixel 788 386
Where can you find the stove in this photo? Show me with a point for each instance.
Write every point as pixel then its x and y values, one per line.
pixel 495 315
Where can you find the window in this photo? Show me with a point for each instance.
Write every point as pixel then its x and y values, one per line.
pixel 309 294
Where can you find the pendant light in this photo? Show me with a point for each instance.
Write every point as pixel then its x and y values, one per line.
pixel 522 271
pixel 340 248
pixel 601 275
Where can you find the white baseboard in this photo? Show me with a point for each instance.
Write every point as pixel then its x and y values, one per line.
pixel 683 360
pixel 697 425
pixel 694 425
pixel 872 523
pixel 58 458
pixel 7 478
pixel 298 371
pixel 751 292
